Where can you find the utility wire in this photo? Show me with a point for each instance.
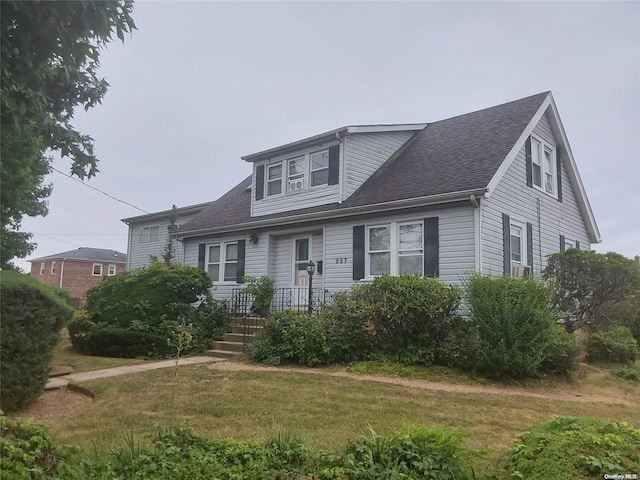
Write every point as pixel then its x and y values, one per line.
pixel 86 234
pixel 56 239
pixel 98 190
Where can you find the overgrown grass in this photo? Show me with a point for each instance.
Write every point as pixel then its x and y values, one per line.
pixel 64 354
pixel 432 373
pixel 326 411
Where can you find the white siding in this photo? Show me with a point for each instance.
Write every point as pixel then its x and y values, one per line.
pixel 255 259
pixel 365 153
pixel 457 247
pixel 549 218
pixel 139 254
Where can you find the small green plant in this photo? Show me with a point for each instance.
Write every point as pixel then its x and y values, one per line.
pixel 577 448
pixel 628 373
pixel 261 289
pixel 182 339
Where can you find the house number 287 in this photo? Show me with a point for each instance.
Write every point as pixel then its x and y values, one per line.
pixel 341 260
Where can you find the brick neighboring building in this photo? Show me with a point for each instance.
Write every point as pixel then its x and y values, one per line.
pixel 78 270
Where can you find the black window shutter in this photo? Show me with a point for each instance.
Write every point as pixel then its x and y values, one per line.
pixel 358 252
pixel 241 253
pixel 577 244
pixel 562 246
pixel 201 252
pixel 334 164
pixel 506 244
pixel 530 247
pixel 527 154
pixel 431 247
pixel 559 172
pixel 259 182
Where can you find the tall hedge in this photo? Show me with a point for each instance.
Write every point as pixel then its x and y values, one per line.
pixel 32 316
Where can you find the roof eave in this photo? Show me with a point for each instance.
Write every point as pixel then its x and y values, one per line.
pixel 164 213
pixel 347 212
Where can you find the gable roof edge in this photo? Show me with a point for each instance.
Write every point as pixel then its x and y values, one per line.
pixel 572 171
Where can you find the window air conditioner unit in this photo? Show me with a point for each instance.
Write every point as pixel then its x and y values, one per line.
pixel 296 185
pixel 520 271
pixel 549 186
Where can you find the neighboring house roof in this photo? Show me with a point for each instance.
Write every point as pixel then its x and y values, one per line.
pixel 87 254
pixel 163 215
pixel 444 161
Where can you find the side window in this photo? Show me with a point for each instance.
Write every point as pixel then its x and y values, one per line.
pixel 97 269
pixel 149 234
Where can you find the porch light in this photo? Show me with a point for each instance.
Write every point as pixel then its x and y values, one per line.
pixel 311 268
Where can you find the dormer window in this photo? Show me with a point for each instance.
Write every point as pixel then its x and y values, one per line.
pixel 297 173
pixel 320 168
pixel 274 179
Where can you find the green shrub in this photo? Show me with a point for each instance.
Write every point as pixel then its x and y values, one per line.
pixel 412 453
pixel 27 450
pixel 292 336
pixel 514 323
pixel 409 313
pixel 561 356
pixel 32 316
pixel 261 289
pixel 628 373
pixel 576 448
pixel 149 302
pixel 614 346
pixel 80 329
pixel 347 330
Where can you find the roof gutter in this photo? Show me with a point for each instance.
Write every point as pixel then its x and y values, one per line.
pixel 347 212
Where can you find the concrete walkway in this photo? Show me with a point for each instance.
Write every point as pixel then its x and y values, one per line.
pixel 64 380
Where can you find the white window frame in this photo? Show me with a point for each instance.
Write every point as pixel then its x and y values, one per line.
pixel 306 176
pixel 275 180
pixel 147 235
pixel 53 267
pixel 93 270
pixel 42 266
pixel 569 244
pixel 523 242
pixel 111 270
pixel 394 247
pixel 551 172
pixel 222 261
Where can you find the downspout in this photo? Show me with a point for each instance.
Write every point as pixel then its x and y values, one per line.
pixel 478 234
pixel 341 171
pixel 62 271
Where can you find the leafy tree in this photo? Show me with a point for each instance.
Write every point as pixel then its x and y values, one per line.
pixel 23 192
pixel 169 252
pixel 49 54
pixel 585 284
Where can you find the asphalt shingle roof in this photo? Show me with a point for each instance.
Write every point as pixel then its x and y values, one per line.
pixel 89 254
pixel 458 154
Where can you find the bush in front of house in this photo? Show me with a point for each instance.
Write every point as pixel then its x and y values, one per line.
pixel 290 336
pixel 514 324
pixel 612 346
pixel 577 448
pixel 411 315
pixel 561 356
pixel 32 316
pixel 135 314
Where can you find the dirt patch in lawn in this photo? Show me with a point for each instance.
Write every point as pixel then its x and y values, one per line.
pixel 230 366
pixel 61 402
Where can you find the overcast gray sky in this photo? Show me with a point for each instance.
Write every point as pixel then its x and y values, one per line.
pixel 200 84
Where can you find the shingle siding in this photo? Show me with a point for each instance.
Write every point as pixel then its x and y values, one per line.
pixel 514 198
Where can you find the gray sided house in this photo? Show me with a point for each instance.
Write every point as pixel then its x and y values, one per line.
pixel 494 191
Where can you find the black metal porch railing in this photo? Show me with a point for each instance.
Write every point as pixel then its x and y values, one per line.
pixel 241 303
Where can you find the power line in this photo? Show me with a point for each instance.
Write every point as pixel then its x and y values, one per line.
pixel 86 234
pixel 56 239
pixel 98 190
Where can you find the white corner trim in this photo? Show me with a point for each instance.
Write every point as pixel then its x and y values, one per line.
pixel 513 153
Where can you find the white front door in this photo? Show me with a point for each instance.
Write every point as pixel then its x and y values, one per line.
pixel 301 257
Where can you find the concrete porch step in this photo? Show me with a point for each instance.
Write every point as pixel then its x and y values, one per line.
pixel 234 337
pixel 228 346
pixel 249 329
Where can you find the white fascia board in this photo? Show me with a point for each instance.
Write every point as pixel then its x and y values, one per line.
pixel 342 213
pixel 574 175
pixel 386 128
pixel 513 153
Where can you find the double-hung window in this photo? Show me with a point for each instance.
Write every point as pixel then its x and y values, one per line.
pixel 42 264
pixel 53 267
pixel 222 262
pixel 517 243
pixel 274 179
pixel 112 270
pixel 543 165
pixel 149 234
pixel 297 170
pixel 320 168
pixel 97 269
pixel 395 249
